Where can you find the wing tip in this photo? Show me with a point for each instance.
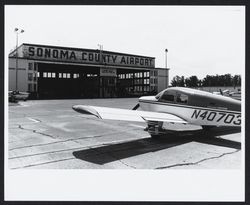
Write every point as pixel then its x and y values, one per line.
pixel 87 110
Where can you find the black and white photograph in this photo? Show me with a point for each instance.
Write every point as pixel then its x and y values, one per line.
pixel 124 103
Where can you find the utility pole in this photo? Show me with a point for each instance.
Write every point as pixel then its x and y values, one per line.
pixel 166 51
pixel 18 31
pixel 101 81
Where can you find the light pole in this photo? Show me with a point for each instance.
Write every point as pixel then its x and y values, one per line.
pixel 166 51
pixel 101 93
pixel 17 31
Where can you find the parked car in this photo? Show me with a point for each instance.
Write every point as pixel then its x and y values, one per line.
pixel 15 96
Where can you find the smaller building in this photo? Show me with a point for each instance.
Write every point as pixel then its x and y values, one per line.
pixel 63 72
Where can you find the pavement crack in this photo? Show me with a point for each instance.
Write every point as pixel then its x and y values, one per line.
pixel 67 140
pixel 46 153
pixel 35 131
pixel 198 162
pixel 44 163
pixel 114 157
pixel 126 164
pixel 130 166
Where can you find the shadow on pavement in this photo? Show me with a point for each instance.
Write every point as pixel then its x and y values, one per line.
pixel 113 152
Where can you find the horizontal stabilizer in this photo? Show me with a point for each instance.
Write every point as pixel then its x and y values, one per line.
pixel 127 115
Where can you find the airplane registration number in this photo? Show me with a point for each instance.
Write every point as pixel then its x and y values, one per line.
pixel 218 117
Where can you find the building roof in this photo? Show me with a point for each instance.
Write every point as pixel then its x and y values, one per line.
pixel 83 49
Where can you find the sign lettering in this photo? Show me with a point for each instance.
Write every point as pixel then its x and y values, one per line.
pixel 108 72
pixel 217 117
pixel 86 56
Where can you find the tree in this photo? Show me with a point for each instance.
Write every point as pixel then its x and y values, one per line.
pixel 193 81
pixel 178 81
pixel 236 80
pixel 209 80
pixel 228 80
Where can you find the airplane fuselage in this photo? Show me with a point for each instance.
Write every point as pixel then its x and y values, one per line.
pixel 196 107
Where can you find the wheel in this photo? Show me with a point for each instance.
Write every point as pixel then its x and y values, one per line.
pixel 12 99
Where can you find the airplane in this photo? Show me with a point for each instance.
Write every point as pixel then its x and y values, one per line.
pixel 174 105
pixel 224 92
pixel 228 93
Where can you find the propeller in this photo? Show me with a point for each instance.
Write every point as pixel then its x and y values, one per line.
pixel 136 107
pixel 221 92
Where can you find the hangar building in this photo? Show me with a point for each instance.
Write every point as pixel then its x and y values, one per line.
pixel 63 72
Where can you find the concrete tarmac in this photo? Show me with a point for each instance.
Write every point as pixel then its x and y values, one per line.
pixel 48 134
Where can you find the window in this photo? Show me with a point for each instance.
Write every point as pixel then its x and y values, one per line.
pixel 38 74
pixel 30 87
pixel 30 76
pixel 167 97
pixel 49 75
pixel 181 98
pixel 159 95
pixel 68 75
pixel 30 66
pixel 76 75
pixel 45 75
pixel 59 75
pixel 53 75
pixel 64 75
pixel 35 66
pixel 34 76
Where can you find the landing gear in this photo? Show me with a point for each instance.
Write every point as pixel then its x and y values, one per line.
pixel 155 129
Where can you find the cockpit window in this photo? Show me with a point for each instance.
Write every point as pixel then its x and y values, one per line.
pixel 167 97
pixel 158 95
pixel 181 98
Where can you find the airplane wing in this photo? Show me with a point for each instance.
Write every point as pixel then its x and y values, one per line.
pixel 127 115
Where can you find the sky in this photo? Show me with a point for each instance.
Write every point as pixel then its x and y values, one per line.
pixel 201 40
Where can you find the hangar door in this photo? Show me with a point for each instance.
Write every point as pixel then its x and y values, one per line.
pixel 67 81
